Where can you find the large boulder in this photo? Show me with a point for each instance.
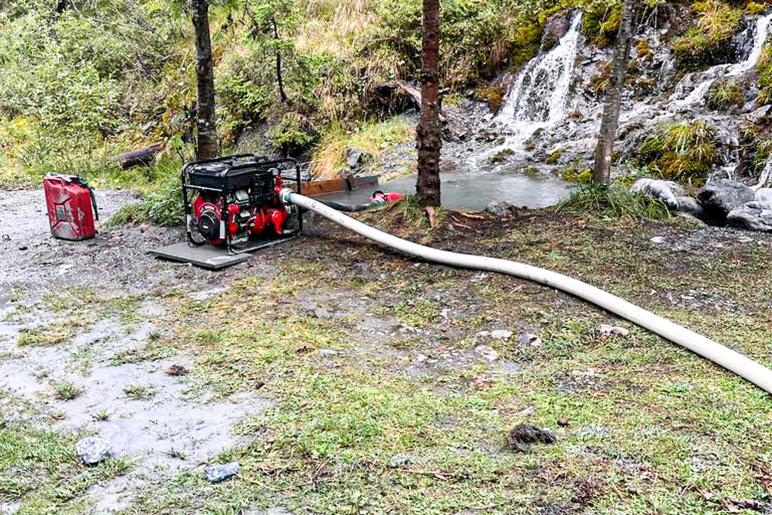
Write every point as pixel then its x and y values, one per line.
pixel 666 191
pixel 755 216
pixel 722 196
pixel 764 195
pixel 689 205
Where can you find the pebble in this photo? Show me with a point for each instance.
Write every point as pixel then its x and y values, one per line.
pixel 400 460
pixel 609 330
pixel 487 352
pixel 529 339
pixel 326 353
pixel 218 473
pixel 501 334
pixel 659 240
pixel 92 450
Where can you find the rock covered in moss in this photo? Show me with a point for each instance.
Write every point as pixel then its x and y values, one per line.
pixel 722 196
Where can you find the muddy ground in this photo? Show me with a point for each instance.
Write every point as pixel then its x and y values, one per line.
pixel 345 378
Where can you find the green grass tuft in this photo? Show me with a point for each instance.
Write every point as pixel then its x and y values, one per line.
pixel 614 202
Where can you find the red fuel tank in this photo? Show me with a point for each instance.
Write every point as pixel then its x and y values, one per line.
pixel 71 207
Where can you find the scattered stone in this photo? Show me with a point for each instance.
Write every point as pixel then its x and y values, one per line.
pixel 355 158
pixel 659 240
pixel 487 352
pixel 529 339
pixel 605 330
pixel 722 196
pixel 501 334
pixel 522 436
pixel 176 370
pixel 219 473
pixel 400 461
pixel 665 191
pixel 499 207
pixel 755 216
pixel 92 450
pixel 326 353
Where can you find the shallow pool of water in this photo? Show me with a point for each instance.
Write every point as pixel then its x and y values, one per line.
pixel 460 191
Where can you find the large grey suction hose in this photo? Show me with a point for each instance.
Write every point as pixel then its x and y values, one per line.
pixel 719 354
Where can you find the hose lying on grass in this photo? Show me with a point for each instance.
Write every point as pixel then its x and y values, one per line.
pixel 741 365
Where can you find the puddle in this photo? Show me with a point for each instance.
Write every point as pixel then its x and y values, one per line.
pixel 461 191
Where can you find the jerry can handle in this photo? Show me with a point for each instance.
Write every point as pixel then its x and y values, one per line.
pixel 83 183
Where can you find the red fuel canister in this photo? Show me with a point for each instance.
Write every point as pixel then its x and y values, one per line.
pixel 71 207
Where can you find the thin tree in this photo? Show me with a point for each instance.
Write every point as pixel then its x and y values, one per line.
pixel 206 121
pixel 428 132
pixel 610 122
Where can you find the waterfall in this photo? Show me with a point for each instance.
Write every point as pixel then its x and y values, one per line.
pixel 539 94
pixel 704 80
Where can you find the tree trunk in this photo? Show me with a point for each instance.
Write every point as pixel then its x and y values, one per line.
pixel 206 121
pixel 428 132
pixel 610 122
pixel 279 79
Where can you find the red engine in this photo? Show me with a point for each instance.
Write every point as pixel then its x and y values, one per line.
pixel 233 202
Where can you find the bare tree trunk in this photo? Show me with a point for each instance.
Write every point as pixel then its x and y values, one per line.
pixel 610 122
pixel 279 79
pixel 206 120
pixel 428 132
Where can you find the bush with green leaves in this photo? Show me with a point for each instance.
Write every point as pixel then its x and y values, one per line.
pixel 764 70
pixel 684 152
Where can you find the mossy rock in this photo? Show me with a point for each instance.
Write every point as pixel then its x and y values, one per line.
pixel 764 80
pixel 494 96
pixel 726 93
pixel 684 152
pixel 601 22
pixel 709 40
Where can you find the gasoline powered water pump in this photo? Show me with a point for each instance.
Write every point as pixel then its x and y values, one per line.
pixel 233 202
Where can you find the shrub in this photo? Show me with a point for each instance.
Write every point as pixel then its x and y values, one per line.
pixel 162 206
pixel 293 134
pixel 684 152
pixel 726 93
pixel 614 201
pixel 764 69
pixel 709 41
pixel 601 21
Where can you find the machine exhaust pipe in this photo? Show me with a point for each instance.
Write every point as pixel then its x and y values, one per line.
pixel 731 360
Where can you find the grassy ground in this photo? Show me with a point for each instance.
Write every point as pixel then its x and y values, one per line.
pixel 383 403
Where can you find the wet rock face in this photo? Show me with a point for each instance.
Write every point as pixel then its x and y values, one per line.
pixel 556 27
pixel 722 196
pixel 93 450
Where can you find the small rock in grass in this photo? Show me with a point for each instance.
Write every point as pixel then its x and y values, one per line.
pixel 659 240
pixel 487 352
pixel 218 473
pixel 92 450
pixel 529 339
pixel 522 436
pixel 563 422
pixel 326 353
pixel 176 370
pixel 501 334
pixel 605 330
pixel 400 460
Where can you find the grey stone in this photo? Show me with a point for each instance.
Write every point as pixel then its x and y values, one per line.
pixel 665 191
pixel 218 473
pixel 501 334
pixel 690 205
pixel 92 450
pixel 758 116
pixel 487 352
pixel 499 207
pixel 755 216
pixel 529 339
pixel 763 195
pixel 354 158
pixel 722 196
pixel 609 330
pixel 400 460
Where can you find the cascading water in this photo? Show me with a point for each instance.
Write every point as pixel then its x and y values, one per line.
pixel 683 98
pixel 539 95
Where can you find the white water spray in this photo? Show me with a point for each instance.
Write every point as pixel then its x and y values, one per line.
pixel 680 99
pixel 539 95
